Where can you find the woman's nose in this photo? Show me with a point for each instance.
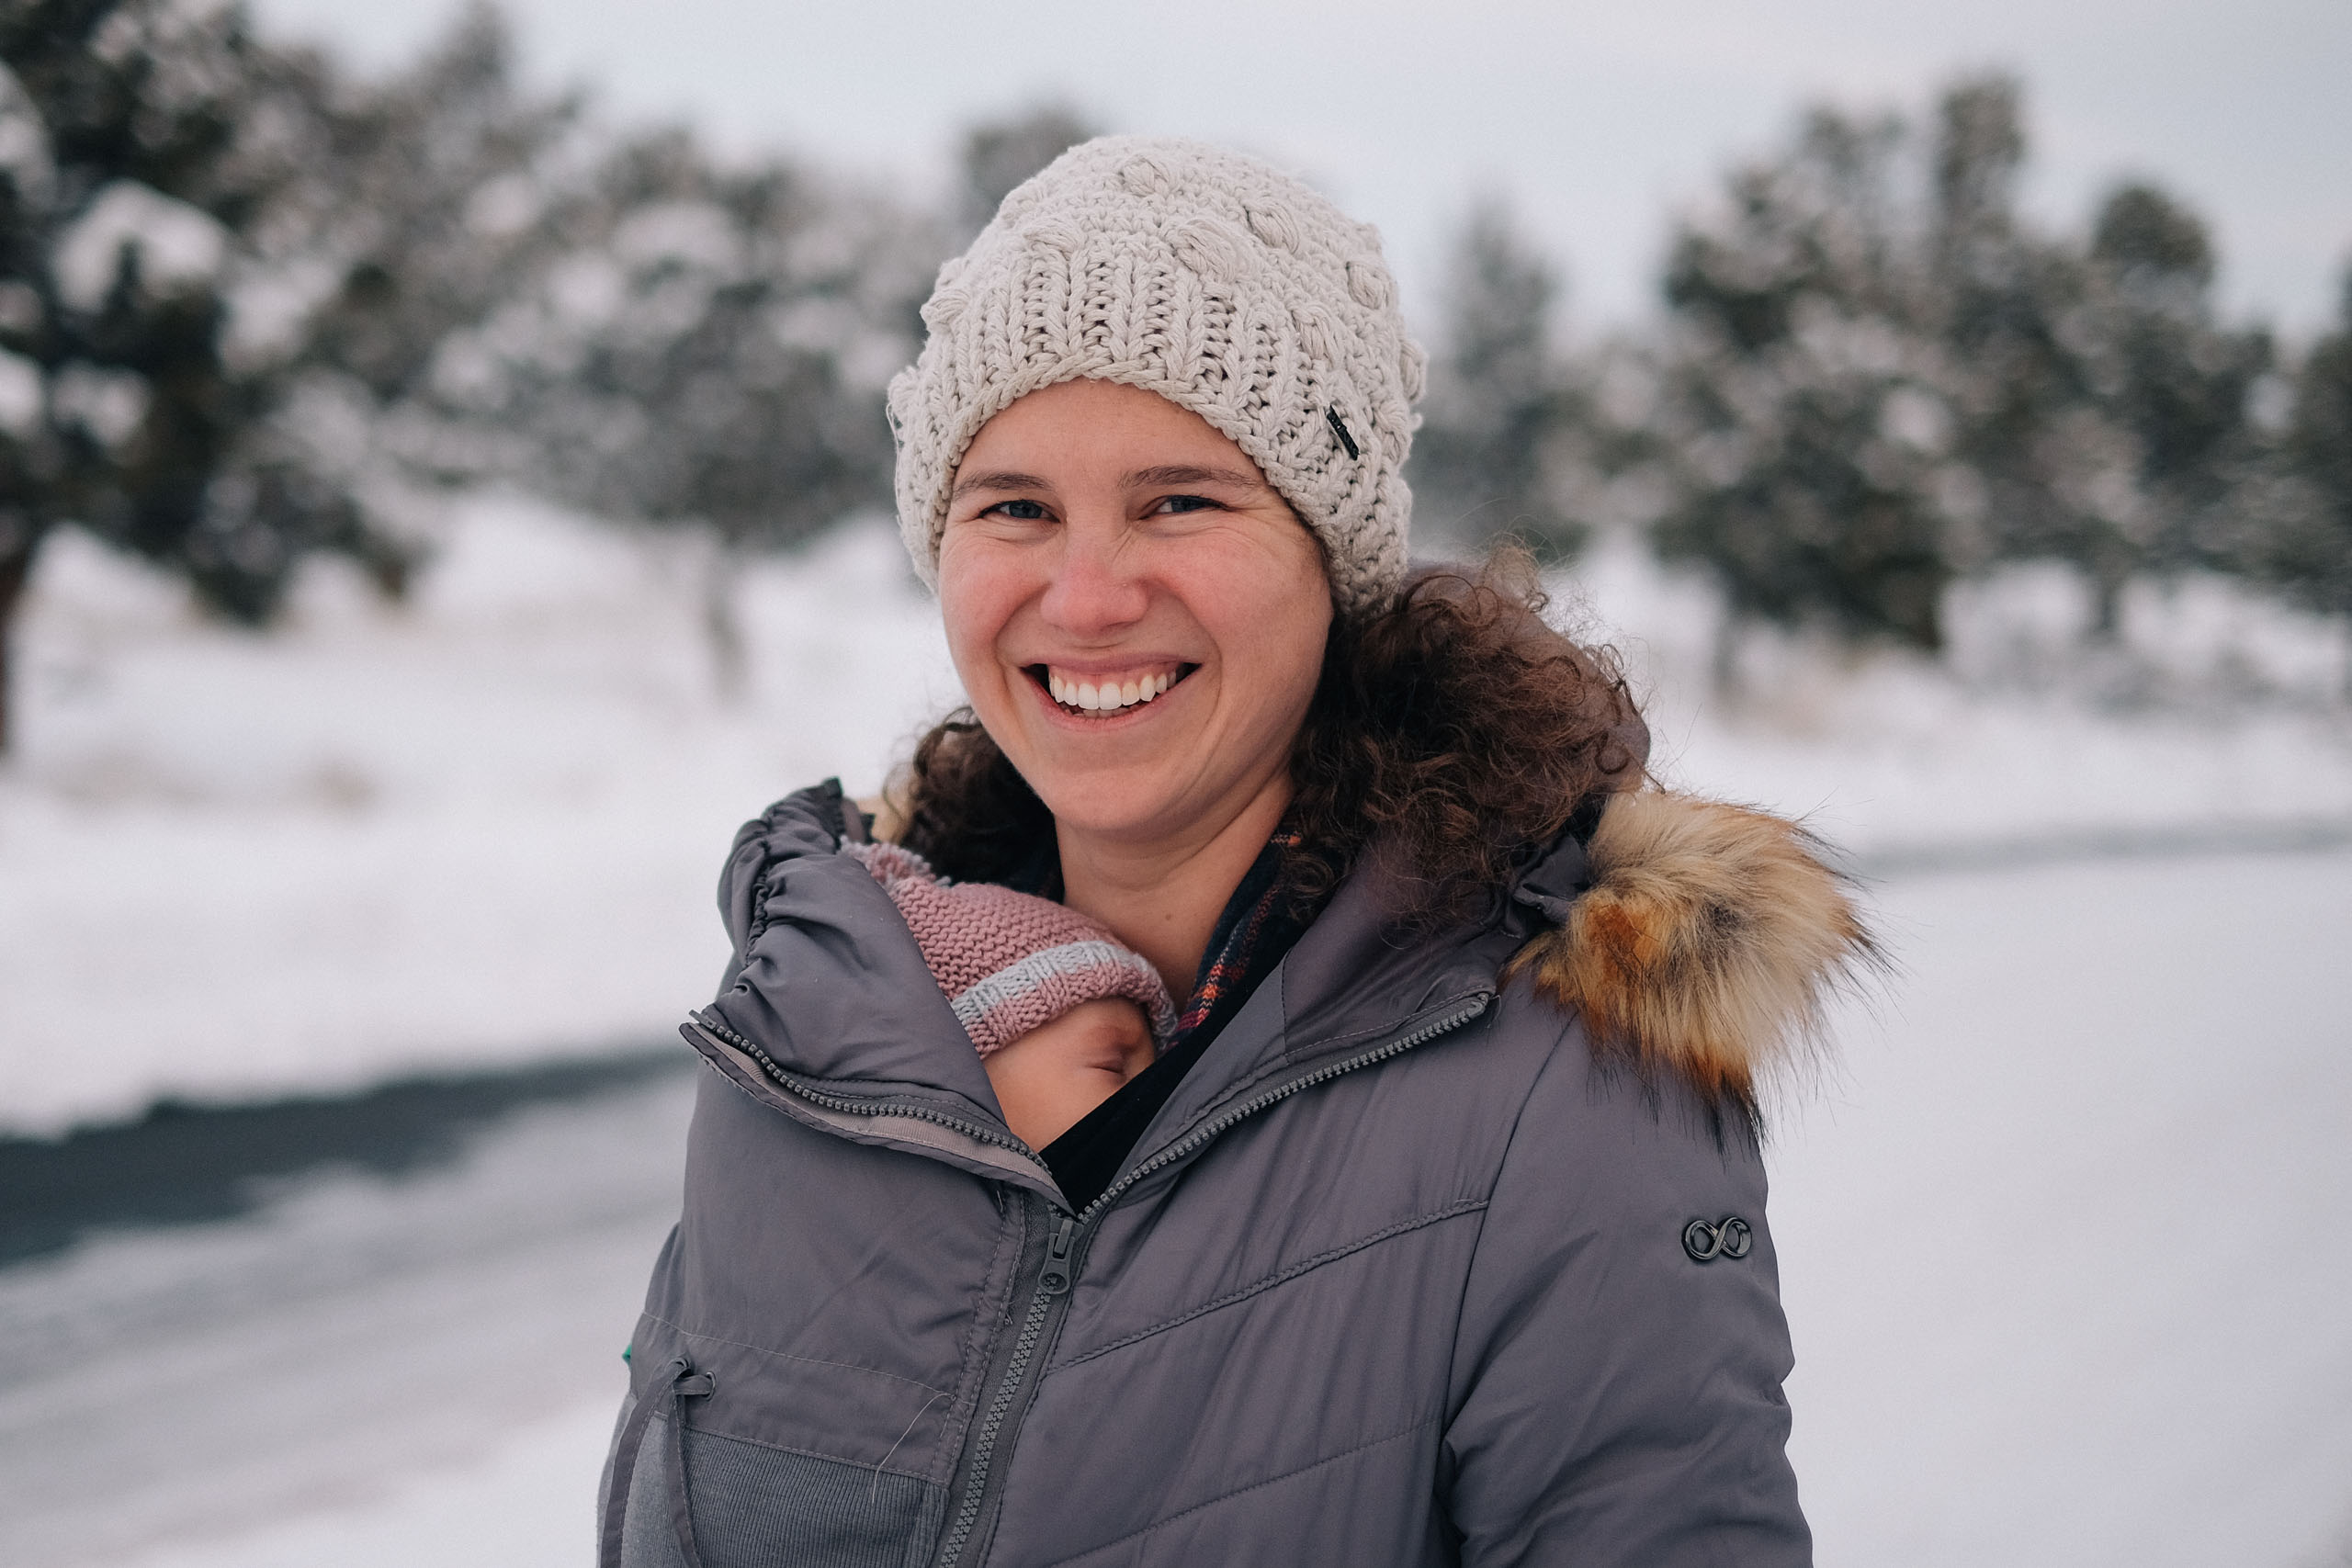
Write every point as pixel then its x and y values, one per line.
pixel 1096 588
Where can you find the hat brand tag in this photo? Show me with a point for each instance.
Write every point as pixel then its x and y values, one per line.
pixel 1340 429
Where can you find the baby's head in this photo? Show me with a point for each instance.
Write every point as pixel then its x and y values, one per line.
pixel 1062 1012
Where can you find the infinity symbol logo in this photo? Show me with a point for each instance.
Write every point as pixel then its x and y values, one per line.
pixel 1727 1237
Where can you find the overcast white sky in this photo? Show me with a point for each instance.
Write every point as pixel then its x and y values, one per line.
pixel 1595 119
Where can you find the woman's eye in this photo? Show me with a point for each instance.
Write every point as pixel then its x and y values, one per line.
pixel 1023 510
pixel 1184 503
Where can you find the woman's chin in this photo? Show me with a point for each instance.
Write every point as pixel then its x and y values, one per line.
pixel 1118 773
pixel 1128 803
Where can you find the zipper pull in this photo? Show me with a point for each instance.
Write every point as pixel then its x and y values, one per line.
pixel 1055 1279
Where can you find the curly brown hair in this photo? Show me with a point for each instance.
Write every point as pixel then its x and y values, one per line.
pixel 1456 728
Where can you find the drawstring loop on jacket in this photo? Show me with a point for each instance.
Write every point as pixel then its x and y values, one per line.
pixel 684 1383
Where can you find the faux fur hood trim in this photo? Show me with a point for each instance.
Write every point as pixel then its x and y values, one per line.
pixel 1707 943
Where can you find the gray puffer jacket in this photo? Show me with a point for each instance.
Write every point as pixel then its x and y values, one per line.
pixel 1407 1271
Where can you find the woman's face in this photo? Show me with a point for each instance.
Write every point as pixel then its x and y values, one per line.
pixel 1137 616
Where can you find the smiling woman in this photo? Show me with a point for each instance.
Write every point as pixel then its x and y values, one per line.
pixel 1102 541
pixel 1381 1259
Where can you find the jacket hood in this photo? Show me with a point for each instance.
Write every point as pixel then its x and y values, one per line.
pixel 829 984
pixel 827 979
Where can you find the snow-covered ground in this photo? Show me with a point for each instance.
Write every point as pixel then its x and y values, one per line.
pixel 479 828
pixel 2057 1235
pixel 416 1368
pixel 2061 1244
pixel 483 828
pixel 2060 1231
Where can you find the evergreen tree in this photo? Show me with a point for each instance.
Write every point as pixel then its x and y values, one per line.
pixel 999 154
pixel 434 197
pixel 2309 553
pixel 2024 453
pixel 1809 398
pixel 194 225
pixel 2161 370
pixel 128 176
pixel 1880 378
pixel 710 354
pixel 1503 400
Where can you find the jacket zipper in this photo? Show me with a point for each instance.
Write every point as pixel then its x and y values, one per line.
pixel 979 1131
pixel 975 1465
pixel 1208 1131
pixel 1058 1273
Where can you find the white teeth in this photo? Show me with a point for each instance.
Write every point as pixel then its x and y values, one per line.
pixel 1109 697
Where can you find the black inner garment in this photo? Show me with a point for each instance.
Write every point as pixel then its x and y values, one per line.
pixel 1086 1159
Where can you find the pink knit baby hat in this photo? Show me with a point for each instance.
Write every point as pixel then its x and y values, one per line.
pixel 1011 961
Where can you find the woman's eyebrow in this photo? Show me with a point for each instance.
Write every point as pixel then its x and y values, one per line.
pixel 1192 474
pixel 1002 480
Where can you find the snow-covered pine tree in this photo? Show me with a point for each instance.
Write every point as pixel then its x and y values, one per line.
pixel 1880 378
pixel 2159 367
pixel 2309 552
pixel 1503 399
pixel 433 197
pixel 1807 395
pixel 126 179
pixel 194 225
pixel 711 355
pixel 2027 456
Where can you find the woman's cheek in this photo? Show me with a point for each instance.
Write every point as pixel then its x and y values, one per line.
pixel 1277 619
pixel 975 600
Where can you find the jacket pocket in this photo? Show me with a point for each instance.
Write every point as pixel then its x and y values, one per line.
pixel 753 1506
pixel 710 1475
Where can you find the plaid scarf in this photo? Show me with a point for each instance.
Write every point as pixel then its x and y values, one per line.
pixel 1250 938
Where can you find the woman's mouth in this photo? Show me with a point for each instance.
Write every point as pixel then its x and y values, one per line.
pixel 1107 691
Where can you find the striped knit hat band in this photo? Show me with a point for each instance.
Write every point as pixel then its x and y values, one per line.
pixel 1010 962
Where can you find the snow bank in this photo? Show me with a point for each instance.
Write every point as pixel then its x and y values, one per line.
pixel 478 829
pixel 2218 721
pixel 2056 1243
pixel 529 1504
pixel 483 827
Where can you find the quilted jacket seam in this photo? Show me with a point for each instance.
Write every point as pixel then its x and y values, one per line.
pixel 1280 1277
pixel 1552 1054
pixel 1244 1491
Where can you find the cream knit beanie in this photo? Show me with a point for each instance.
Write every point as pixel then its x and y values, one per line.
pixel 1226 287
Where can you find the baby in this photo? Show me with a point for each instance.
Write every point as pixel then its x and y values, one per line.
pixel 1061 1012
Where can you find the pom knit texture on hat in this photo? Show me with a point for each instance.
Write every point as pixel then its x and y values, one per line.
pixel 1010 962
pixel 1225 287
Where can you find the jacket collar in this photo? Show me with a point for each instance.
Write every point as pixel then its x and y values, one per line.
pixel 828 980
pixel 1365 974
pixel 830 986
